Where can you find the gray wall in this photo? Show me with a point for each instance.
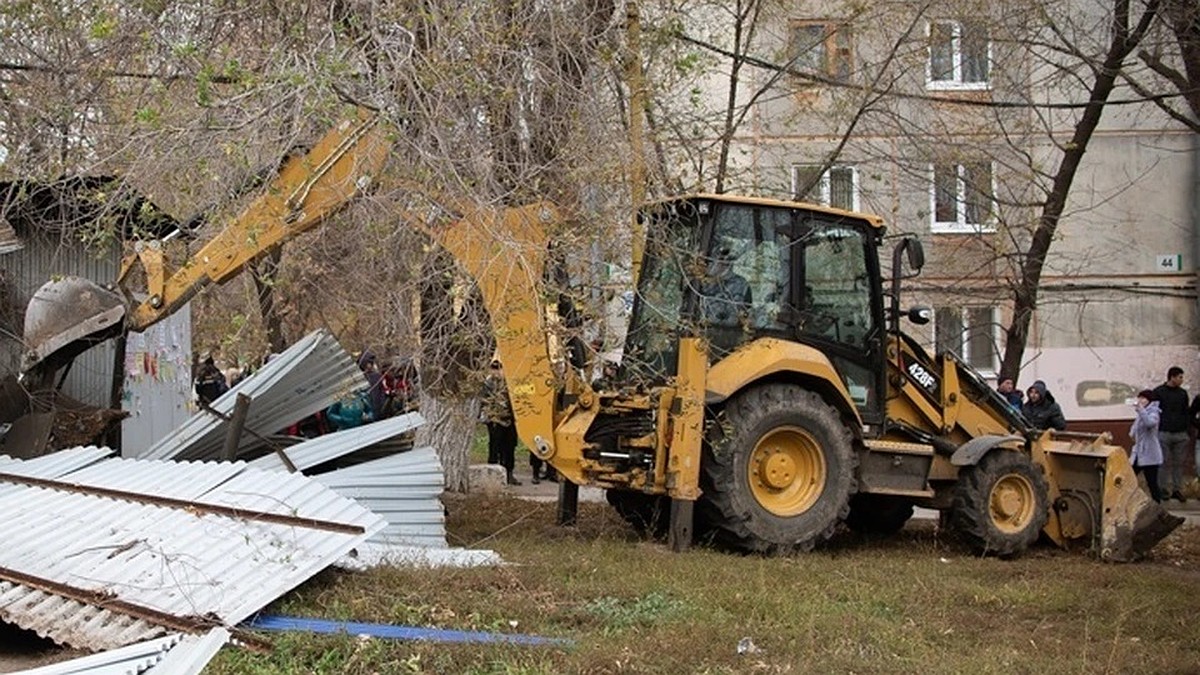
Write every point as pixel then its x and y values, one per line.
pixel 158 382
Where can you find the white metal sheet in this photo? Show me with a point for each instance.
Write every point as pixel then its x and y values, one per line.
pixel 321 449
pixel 370 554
pixel 405 489
pixel 136 658
pixel 174 654
pixel 193 653
pixel 179 559
pixel 309 376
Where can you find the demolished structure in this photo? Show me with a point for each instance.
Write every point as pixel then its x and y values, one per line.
pixel 128 554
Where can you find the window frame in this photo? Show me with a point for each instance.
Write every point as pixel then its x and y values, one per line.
pixel 992 329
pixel 835 57
pixel 956 82
pixel 825 185
pixel 961 201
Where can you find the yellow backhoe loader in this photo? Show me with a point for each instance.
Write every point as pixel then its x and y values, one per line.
pixel 766 395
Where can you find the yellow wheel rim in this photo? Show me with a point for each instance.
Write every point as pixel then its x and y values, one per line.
pixel 787 471
pixel 1012 503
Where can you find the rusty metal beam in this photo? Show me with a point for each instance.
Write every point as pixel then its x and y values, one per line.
pixel 185 505
pixel 104 600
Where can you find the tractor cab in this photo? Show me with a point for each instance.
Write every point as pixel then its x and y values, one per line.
pixel 733 270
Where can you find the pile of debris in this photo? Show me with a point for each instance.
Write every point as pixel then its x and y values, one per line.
pixel 32 422
pixel 164 555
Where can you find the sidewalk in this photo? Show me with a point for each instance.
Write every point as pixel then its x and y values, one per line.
pixel 1189 511
pixel 546 491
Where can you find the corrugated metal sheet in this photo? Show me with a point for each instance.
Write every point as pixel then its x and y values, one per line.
pixel 45 256
pixel 190 656
pixel 55 464
pixel 368 555
pixel 181 559
pixel 175 654
pixel 69 621
pixel 309 376
pixel 136 658
pixel 322 449
pixel 405 489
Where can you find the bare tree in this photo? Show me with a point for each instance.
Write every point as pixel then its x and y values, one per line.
pixel 1182 18
pixel 492 105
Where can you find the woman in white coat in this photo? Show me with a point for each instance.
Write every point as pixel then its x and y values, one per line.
pixel 1147 454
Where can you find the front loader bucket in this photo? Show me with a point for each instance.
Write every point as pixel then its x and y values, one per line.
pixel 1132 522
pixel 1096 497
pixel 67 316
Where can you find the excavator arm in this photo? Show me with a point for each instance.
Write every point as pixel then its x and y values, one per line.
pixel 504 250
pixel 309 188
pixel 66 316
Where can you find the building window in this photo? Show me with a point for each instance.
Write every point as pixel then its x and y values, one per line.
pixel 837 187
pixel 958 55
pixel 821 48
pixel 969 332
pixel 961 196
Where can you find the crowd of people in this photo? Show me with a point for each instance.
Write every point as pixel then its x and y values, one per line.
pixel 389 391
pixel 1166 427
pixel 1036 404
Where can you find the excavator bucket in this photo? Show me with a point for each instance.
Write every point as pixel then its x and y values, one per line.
pixel 1096 498
pixel 65 317
pixel 1132 523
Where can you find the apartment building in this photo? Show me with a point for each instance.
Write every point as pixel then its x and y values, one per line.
pixel 950 122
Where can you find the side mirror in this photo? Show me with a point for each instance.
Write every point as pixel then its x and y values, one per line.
pixel 910 247
pixel 920 315
pixel 916 254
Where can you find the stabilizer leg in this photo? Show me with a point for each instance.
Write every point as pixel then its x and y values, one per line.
pixel 680 535
pixel 568 502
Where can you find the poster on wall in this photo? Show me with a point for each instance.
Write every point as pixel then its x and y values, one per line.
pixel 1100 384
pixel 157 391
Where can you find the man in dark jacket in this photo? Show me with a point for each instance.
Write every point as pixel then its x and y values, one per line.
pixel 1008 389
pixel 1041 410
pixel 498 414
pixel 1173 432
pixel 211 382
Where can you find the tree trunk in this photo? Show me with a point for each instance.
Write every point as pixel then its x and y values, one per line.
pixel 263 272
pixel 449 429
pixel 1026 294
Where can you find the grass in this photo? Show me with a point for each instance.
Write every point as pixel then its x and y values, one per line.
pixel 912 603
pixel 479 446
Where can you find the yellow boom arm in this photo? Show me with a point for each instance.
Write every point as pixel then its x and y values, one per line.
pixel 308 189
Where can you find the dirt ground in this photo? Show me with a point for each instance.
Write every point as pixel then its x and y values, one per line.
pixel 22 649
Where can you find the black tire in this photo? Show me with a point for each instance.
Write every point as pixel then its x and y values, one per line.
pixel 777 473
pixel 650 515
pixel 1001 504
pixel 878 514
